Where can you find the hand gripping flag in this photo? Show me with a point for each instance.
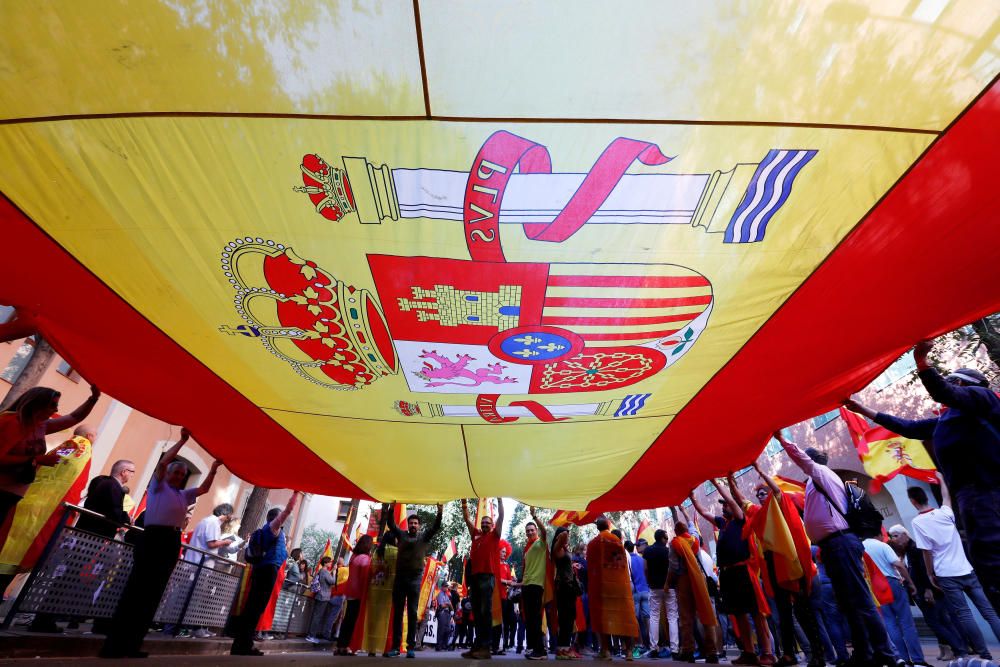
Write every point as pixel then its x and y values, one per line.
pixel 885 454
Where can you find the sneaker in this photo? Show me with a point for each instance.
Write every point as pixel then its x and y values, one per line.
pixel 562 654
pixel 312 640
pixel 411 655
pixel 391 654
pixel 748 659
pixel 203 633
pixel 786 661
pixel 654 654
pixel 768 659
pixel 665 654
pixel 684 657
pixel 536 655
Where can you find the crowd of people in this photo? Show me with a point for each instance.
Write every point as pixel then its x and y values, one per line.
pixel 788 579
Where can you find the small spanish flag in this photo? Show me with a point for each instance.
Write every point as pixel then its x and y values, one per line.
pixel 450 551
pixel 885 454
pixel 646 532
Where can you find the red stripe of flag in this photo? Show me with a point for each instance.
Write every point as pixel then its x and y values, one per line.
pixel 627 281
pixel 615 321
pixel 628 336
pixel 587 302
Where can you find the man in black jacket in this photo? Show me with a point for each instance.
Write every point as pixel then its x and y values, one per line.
pixel 105 496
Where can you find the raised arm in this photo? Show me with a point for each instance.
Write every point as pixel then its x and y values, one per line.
pixel 731 503
pixel 209 478
pixel 771 484
pixel 388 516
pixel 920 429
pixel 700 509
pixel 75 417
pixel 498 524
pixel 974 400
pixel 798 457
pixel 735 490
pixel 436 526
pixel 945 494
pixel 465 515
pixel 542 535
pixel 171 454
pixel 285 513
pixel 559 546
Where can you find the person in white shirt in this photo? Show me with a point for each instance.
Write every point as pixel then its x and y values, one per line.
pixel 949 569
pixel 897 615
pixel 207 535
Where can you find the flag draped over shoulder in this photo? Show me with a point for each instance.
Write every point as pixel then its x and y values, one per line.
pixel 612 610
pixel 687 547
pixel 792 488
pixel 37 515
pixel 778 528
pixel 885 454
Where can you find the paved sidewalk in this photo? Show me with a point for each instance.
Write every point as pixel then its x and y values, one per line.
pixel 292 651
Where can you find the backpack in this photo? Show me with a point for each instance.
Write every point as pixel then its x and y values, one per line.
pixel 317 584
pixel 862 518
pixel 260 541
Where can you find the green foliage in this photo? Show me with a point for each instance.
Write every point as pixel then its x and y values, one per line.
pixel 314 541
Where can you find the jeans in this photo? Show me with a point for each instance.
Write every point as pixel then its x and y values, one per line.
pixel 842 555
pixel 405 590
pixel 939 620
pixel 509 623
pixel 444 629
pixel 337 602
pixel 955 589
pixel 482 609
pixel 980 511
pixel 797 603
pixel 531 604
pixel 323 615
pixel 899 623
pixel 641 601
pixel 829 620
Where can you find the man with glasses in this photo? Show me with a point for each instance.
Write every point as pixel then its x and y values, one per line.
pixel 106 496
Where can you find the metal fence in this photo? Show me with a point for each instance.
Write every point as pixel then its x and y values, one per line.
pixel 83 575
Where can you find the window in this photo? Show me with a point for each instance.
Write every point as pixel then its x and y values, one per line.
pixel 825 418
pixel 20 359
pixel 897 371
pixel 65 369
pixel 342 510
pixel 773 447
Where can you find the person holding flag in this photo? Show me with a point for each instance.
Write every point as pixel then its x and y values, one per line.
pixel 842 552
pixel 533 583
pixel 739 577
pixel 687 576
pixel 324 610
pixel 612 610
pixel 779 530
pixel 484 559
pixel 412 545
pixel 966 444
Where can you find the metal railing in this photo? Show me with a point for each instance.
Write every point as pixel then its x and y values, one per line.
pixel 82 575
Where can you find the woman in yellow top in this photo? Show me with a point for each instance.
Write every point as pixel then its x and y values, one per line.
pixel 379 612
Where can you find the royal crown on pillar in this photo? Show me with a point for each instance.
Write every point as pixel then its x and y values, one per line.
pixel 327 187
pixel 331 192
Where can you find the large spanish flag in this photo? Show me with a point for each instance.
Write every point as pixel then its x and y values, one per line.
pixel 531 249
pixel 885 454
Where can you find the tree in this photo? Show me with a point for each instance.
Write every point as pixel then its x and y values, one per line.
pixel 314 542
pixel 253 512
pixel 41 358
